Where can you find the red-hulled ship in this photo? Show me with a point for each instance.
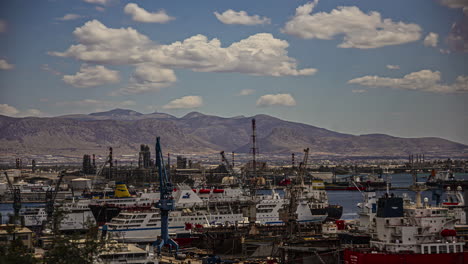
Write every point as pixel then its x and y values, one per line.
pixel 411 234
pixel 365 256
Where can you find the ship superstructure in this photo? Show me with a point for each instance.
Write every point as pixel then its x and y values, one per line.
pixel 410 233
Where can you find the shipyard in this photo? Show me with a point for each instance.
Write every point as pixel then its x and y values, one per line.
pixel 248 132
pixel 158 211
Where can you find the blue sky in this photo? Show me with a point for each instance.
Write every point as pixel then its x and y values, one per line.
pixel 394 67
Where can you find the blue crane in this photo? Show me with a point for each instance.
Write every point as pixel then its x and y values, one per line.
pixel 166 202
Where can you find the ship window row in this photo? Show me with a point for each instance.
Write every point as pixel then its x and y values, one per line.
pixel 125 216
pixel 439 249
pixel 154 220
pixel 136 221
pixel 266 205
pixel 123 256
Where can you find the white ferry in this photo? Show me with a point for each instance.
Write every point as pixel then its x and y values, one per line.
pixel 145 225
pixel 77 216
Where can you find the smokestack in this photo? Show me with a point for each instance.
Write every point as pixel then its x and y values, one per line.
pixel 111 163
pixel 254 148
pixel 33 166
pixel 233 164
pixel 94 161
pixel 292 160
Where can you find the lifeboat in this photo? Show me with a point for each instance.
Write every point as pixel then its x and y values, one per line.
pixel 450 203
pixel 284 182
pixel 188 226
pixel 448 232
pixel 204 191
pixel 194 190
pixel 218 191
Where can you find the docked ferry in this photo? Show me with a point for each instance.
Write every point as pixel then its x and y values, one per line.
pixel 145 225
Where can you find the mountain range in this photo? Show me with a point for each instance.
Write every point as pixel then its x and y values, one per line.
pixel 195 132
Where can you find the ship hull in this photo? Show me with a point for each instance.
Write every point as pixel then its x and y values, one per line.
pixel 344 188
pixel 333 212
pixel 105 213
pixel 367 257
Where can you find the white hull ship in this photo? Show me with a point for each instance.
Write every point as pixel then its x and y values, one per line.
pixel 77 216
pixel 145 225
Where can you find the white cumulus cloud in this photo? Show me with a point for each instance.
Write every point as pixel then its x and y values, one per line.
pixel 241 18
pixel 431 40
pixel 463 4
pixel 147 78
pixel 424 80
pixel 246 92
pixel 103 45
pixel 141 15
pixel 4 65
pixel 9 110
pixel 359 91
pixel 96 104
pixel 98 2
pixel 393 67
pixel 444 51
pixel 359 30
pixel 69 17
pixel 32 112
pixel 276 99
pixel 259 54
pixel 458 36
pixel 185 102
pixel 90 76
pixel 3 26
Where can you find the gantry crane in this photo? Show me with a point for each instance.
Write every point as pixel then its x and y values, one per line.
pixel 166 201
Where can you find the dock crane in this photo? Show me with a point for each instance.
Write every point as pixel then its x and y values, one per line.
pixel 51 195
pixel 228 165
pixel 166 201
pixel 303 166
pixel 16 192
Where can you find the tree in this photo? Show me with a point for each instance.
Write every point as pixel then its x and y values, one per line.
pixel 71 249
pixel 16 252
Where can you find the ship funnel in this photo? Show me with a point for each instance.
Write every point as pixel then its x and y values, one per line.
pixel 121 190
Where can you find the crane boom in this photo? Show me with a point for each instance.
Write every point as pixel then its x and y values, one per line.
pixel 16 192
pixel 51 195
pixel 228 165
pixel 303 166
pixel 10 184
pixel 166 201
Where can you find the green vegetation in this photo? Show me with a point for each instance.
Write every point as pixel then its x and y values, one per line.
pixel 74 248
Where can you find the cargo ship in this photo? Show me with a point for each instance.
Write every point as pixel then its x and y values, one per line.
pixel 359 182
pixel 410 233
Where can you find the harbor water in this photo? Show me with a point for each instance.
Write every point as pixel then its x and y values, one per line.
pixel 347 199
